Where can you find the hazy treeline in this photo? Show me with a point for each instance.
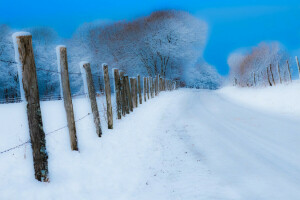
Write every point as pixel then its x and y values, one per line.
pixel 261 65
pixel 169 43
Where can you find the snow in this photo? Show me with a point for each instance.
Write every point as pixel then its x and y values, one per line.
pixel 184 144
pixel 282 99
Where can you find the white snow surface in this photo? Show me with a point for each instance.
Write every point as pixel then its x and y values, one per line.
pixel 184 144
pixel 282 99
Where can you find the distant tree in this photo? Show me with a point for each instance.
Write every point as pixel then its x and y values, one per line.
pixel 247 63
pixel 9 83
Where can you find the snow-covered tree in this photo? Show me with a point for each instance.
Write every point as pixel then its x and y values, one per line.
pixel 256 61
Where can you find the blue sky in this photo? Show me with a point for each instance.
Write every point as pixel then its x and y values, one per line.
pixel 232 24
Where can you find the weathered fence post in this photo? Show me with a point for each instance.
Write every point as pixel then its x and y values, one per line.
pixel 156 86
pixel 30 93
pixel 108 96
pixel 278 69
pixel 117 92
pixel 160 84
pixel 272 74
pixel 132 92
pixel 140 89
pixel 62 61
pixel 90 90
pixel 128 95
pixel 123 93
pixel 297 61
pixel 147 82
pixel 268 76
pixel 288 65
pixel 151 87
pixel 145 89
pixel 153 90
pixel 136 92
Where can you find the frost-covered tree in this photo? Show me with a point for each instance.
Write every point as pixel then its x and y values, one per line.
pixel 9 85
pixel 252 65
pixel 44 41
pixel 204 76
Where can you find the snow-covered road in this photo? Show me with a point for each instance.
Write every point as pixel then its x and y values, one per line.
pixel 185 144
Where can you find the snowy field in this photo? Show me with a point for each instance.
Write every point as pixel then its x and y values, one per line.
pixel 185 144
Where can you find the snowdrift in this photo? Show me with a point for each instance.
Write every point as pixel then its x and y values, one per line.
pixel 282 99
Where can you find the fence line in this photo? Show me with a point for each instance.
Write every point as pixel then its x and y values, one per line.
pixel 269 72
pixel 126 98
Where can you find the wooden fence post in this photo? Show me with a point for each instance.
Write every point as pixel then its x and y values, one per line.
pixel 136 92
pixel 30 93
pixel 118 93
pixel 128 94
pixel 159 84
pixel 145 89
pixel 156 86
pixel 268 76
pixel 90 90
pixel 278 69
pixel 147 82
pixel 288 65
pixel 272 74
pixel 123 93
pixel 108 96
pixel 140 89
pixel 297 61
pixel 132 87
pixel 62 60
pixel 153 87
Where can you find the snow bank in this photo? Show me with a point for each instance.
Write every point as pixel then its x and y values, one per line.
pixel 283 99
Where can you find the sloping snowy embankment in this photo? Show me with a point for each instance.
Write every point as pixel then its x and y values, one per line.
pixel 282 99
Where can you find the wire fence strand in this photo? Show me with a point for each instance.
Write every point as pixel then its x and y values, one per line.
pixel 28 141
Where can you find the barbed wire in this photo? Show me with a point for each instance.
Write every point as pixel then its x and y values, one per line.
pixel 28 141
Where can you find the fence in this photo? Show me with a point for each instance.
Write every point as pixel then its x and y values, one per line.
pixel 128 94
pixel 268 73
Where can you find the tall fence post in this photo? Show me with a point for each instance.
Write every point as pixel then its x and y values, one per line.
pixel 145 89
pixel 147 82
pixel 152 81
pixel 151 88
pixel 160 84
pixel 118 93
pixel 272 74
pixel 140 89
pixel 123 93
pixel 62 61
pixel 278 69
pixel 30 93
pixel 90 90
pixel 268 76
pixel 156 85
pixel 288 65
pixel 136 92
pixel 132 87
pixel 108 96
pixel 128 94
pixel 297 61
